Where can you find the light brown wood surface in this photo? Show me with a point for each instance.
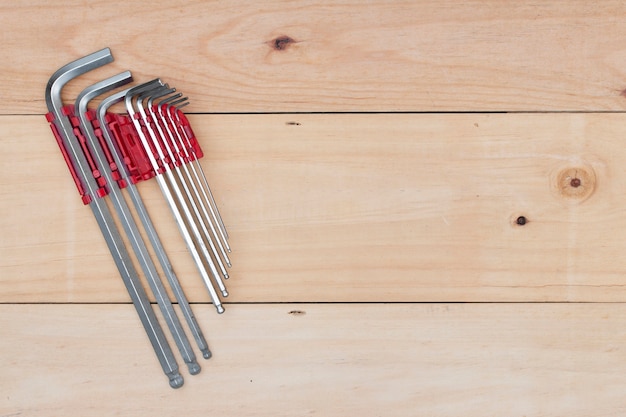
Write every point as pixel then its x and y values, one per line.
pixel 371 181
pixel 331 360
pixel 353 208
pixel 345 56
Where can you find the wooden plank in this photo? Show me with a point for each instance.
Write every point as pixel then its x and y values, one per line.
pixel 368 360
pixel 331 55
pixel 351 208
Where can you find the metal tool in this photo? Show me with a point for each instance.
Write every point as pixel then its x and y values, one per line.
pixel 165 189
pixel 124 213
pixel 189 153
pixel 162 143
pixel 175 152
pixel 199 174
pixel 91 190
pixel 149 226
pixel 165 112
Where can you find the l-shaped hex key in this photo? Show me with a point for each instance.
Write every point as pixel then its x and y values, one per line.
pixel 176 140
pixel 187 149
pixel 174 153
pixel 127 220
pixel 166 153
pixel 100 210
pixel 195 166
pixel 151 232
pixel 165 189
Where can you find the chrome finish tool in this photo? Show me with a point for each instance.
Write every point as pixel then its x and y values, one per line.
pixel 107 154
pixel 123 211
pixel 142 212
pixel 169 185
pixel 90 190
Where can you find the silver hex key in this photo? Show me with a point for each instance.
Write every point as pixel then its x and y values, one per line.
pixel 107 154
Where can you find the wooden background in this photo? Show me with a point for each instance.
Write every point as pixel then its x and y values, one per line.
pixel 370 162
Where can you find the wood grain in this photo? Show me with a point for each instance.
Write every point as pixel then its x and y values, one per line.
pixel 333 208
pixel 276 56
pixel 431 197
pixel 367 360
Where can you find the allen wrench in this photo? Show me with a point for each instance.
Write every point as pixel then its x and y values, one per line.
pixel 169 126
pixel 162 144
pixel 177 158
pixel 165 189
pixel 196 167
pixel 190 152
pixel 149 226
pixel 91 189
pixel 186 154
pixel 97 150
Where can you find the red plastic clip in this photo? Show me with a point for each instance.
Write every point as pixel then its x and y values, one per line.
pixel 86 198
pixel 166 162
pixel 172 137
pixel 91 116
pixel 192 142
pixel 186 139
pixel 95 171
pixel 129 144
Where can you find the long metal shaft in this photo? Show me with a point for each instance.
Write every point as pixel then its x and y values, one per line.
pixel 209 202
pixel 204 185
pixel 161 128
pixel 186 181
pixel 151 232
pixel 168 195
pixel 128 223
pixel 102 213
pixel 188 151
pixel 165 154
pixel 174 135
pixel 163 125
pixel 209 197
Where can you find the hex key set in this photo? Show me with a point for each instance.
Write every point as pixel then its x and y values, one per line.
pixel 107 154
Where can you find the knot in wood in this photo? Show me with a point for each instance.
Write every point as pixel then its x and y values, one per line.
pixel 281 43
pixel 576 183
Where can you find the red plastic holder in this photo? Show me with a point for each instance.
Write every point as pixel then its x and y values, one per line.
pixel 112 166
pixel 68 111
pixel 178 122
pixel 129 145
pixel 163 143
pixel 86 198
